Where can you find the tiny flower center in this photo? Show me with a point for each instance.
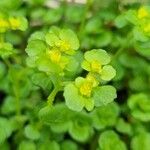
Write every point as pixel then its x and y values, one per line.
pixel 55 56
pixel 142 13
pixel 95 66
pixel 64 46
pixel 86 89
pixel 92 79
pixel 15 23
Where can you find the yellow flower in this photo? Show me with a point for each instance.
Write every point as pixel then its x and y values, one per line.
pixel 96 66
pixel 4 23
pixel 86 89
pixel 92 79
pixel 65 47
pixel 55 56
pixel 147 28
pixel 142 13
pixel 14 23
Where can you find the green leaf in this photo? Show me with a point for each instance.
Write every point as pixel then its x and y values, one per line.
pixel 103 39
pixel 120 21
pixel 104 95
pixel 9 105
pixel 93 25
pixel 24 23
pixel 49 145
pixel 35 48
pixel 52 16
pixel 2 70
pixel 6 49
pixel 60 127
pixel 140 142
pixel 65 35
pixel 73 100
pixel 31 132
pixel 55 115
pixel 131 16
pixel 44 64
pixel 140 106
pixel 42 80
pixel 5 129
pixel 51 39
pixel 143 48
pixel 108 72
pixel 68 144
pixel 80 128
pixel 99 55
pixel 110 140
pixel 5 146
pixel 139 35
pixel 38 35
pixel 27 145
pixel 123 127
pixel 105 116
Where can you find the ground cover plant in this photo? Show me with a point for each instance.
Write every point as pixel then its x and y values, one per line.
pixel 74 75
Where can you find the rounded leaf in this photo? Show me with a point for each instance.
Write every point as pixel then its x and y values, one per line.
pixel 103 95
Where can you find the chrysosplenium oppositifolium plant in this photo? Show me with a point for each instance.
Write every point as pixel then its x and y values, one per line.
pixel 7 23
pixel 60 69
pixel 57 54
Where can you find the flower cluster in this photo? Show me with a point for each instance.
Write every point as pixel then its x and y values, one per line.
pixel 12 23
pixel 141 19
pixel 143 15
pixel 9 23
pixel 86 91
pixel 55 51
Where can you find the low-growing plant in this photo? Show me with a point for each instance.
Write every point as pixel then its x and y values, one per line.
pixel 74 76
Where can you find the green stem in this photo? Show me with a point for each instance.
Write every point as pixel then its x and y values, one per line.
pixel 124 46
pixel 87 6
pixel 6 61
pixel 117 53
pixel 15 88
pixel 1 38
pixel 52 95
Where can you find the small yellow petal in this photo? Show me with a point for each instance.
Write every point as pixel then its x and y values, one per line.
pixel 4 23
pixel 96 66
pixel 142 13
pixel 14 23
pixel 86 89
pixel 55 56
pixel 92 79
pixel 147 28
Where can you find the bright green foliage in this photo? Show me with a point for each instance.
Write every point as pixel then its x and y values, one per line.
pixel 140 106
pixel 31 132
pixel 110 140
pixel 140 141
pixel 80 128
pixel 24 145
pixel 69 145
pixel 105 116
pixel 74 76
pixel 5 129
pixel 57 114
pixel 123 127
